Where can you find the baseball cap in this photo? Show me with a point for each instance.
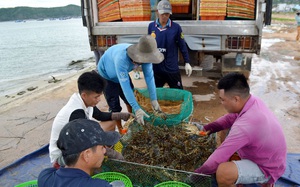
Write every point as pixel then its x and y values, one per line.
pixel 164 6
pixel 81 134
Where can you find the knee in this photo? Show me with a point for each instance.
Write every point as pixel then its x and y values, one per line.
pixel 226 174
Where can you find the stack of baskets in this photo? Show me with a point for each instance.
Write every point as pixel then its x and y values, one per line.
pixel 108 10
pixel 241 9
pixel 180 6
pixel 213 9
pixel 135 10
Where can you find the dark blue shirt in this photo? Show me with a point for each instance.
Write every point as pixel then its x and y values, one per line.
pixel 68 177
pixel 168 40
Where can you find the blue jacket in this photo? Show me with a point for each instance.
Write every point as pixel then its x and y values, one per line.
pixel 168 40
pixel 115 65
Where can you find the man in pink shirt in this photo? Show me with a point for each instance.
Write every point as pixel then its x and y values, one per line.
pixel 255 134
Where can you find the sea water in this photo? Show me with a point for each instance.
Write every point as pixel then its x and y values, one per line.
pixel 35 50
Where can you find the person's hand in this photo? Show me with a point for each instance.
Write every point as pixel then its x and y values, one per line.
pixel 155 105
pixel 110 153
pixel 202 131
pixel 139 116
pixel 188 69
pixel 157 110
pixel 120 115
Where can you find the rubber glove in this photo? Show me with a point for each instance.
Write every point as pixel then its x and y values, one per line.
pixel 120 115
pixel 155 105
pixel 157 109
pixel 188 69
pixel 139 115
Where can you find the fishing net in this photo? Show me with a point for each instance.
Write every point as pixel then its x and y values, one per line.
pixel 175 103
pixel 142 175
pixel 156 154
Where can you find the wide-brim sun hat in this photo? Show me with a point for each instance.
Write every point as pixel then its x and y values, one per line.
pixel 145 51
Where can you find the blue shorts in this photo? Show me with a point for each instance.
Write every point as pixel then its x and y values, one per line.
pixel 249 173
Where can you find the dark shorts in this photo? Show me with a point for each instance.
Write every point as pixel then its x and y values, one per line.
pixel 172 79
pixel 112 94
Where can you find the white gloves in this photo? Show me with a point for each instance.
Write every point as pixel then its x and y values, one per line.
pixel 155 105
pixel 188 69
pixel 157 110
pixel 139 115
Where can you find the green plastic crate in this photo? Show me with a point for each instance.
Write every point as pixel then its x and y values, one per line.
pixel 32 183
pixel 113 176
pixel 172 184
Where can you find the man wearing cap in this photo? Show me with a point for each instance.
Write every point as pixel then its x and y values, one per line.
pixel 115 65
pixel 297 17
pixel 169 38
pixel 83 144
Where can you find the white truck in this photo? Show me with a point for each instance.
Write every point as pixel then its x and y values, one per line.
pixel 230 31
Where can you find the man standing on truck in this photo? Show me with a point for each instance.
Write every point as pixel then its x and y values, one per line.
pixel 169 38
pixel 115 65
pixel 253 128
pixel 297 17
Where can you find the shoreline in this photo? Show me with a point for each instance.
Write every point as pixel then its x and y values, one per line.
pixel 38 87
pixel 27 119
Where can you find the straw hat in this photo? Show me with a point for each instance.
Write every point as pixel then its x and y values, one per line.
pixel 145 51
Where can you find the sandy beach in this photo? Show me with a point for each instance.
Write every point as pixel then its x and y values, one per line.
pixel 26 119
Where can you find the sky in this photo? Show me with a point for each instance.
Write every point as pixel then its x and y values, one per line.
pixel 37 3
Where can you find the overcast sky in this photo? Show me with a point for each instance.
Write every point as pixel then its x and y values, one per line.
pixel 37 3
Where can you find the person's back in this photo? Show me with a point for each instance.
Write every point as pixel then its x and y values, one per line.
pixel 114 57
pixel 260 131
pixel 253 128
pixel 68 177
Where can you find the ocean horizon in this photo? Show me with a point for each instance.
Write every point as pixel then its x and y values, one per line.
pixel 37 50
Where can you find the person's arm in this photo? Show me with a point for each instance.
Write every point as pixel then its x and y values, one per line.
pixel 184 51
pixel 101 116
pixel 149 31
pixel 224 122
pixel 182 45
pixel 77 114
pixel 149 78
pixel 122 68
pixel 234 141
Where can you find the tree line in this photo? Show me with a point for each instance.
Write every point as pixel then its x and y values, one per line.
pixel 25 13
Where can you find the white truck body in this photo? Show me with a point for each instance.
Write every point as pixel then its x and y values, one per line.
pixel 205 37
